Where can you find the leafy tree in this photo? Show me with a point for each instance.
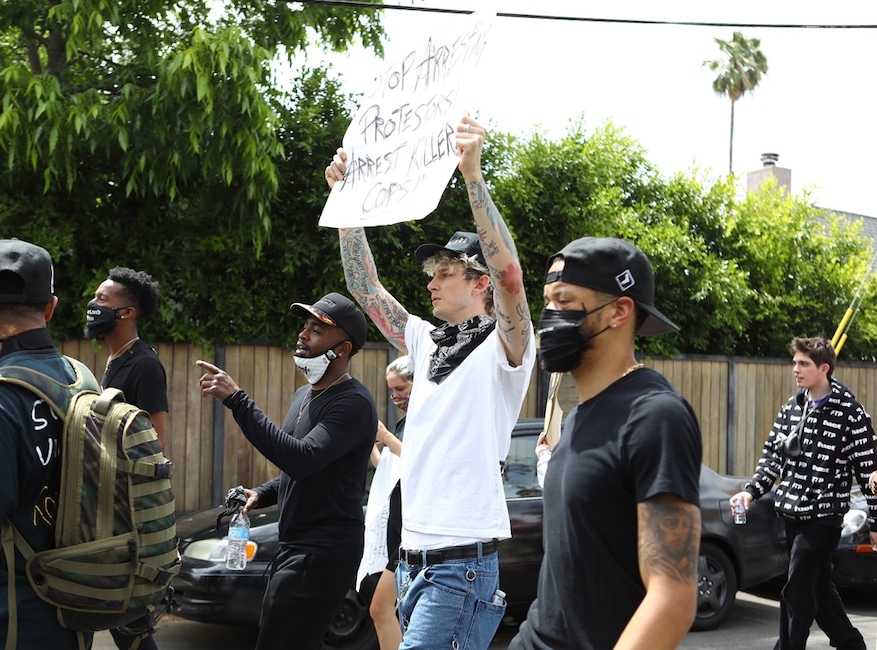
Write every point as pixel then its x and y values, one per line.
pixel 804 264
pixel 151 134
pixel 153 107
pixel 740 277
pixel 145 101
pixel 738 73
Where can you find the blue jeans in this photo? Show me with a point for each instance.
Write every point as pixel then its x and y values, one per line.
pixel 448 606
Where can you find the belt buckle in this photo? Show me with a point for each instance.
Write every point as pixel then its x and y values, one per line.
pixel 405 556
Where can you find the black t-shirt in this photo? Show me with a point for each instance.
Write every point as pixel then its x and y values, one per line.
pixel 323 457
pixel 138 373
pixel 635 440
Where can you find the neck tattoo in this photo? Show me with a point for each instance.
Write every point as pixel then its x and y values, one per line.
pixel 314 394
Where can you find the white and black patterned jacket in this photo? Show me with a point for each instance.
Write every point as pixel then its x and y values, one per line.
pixel 838 444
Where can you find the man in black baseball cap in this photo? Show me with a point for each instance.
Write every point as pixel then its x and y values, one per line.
pixel 32 266
pixel 622 515
pixel 338 311
pixel 462 245
pixel 322 450
pixel 615 267
pixel 30 470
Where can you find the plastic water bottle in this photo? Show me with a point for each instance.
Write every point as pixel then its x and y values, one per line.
pixel 739 513
pixel 238 536
pixel 498 598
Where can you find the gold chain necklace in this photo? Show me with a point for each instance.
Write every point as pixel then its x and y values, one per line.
pixel 115 355
pixel 635 366
pixel 310 397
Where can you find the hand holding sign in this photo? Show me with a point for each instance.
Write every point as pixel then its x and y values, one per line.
pixel 401 147
pixel 469 141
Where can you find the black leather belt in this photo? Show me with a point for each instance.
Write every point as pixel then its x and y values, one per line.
pixel 439 555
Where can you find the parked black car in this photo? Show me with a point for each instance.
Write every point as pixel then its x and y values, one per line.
pixel 855 562
pixel 732 557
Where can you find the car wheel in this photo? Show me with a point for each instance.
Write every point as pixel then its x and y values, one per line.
pixel 351 627
pixel 716 587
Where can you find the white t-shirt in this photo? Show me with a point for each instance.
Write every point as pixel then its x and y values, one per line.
pixel 456 435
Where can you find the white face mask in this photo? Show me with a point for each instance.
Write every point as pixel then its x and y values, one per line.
pixel 315 367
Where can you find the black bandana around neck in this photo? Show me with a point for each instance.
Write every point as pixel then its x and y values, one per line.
pixel 455 342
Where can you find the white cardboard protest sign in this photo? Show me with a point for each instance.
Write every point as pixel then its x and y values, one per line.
pixel 401 144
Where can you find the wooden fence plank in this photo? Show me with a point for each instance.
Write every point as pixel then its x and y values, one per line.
pixel 269 375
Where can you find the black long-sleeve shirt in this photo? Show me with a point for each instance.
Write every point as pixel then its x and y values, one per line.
pixel 322 451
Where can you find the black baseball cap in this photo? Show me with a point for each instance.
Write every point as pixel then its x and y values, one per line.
pixel 338 311
pixel 616 267
pixel 33 265
pixel 460 244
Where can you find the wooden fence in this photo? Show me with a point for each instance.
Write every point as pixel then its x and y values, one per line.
pixel 735 399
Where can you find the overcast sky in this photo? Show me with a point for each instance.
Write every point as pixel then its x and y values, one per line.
pixel 814 108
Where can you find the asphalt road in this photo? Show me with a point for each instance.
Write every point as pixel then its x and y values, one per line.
pixel 751 626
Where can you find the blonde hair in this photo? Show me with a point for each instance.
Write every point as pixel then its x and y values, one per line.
pixel 402 367
pixel 449 264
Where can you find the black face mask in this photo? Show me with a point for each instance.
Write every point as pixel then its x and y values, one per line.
pixel 561 340
pixel 99 320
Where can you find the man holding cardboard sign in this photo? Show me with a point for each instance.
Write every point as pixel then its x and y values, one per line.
pixel 471 374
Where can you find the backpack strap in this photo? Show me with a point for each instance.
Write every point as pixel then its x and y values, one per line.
pixel 58 396
pixel 13 539
pixel 9 553
pixel 54 393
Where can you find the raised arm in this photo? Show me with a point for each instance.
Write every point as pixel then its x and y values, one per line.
pixel 361 274
pixel 512 313
pixel 669 544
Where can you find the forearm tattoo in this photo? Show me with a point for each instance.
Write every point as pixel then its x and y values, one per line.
pixel 362 280
pixel 511 310
pixel 669 538
pixel 480 199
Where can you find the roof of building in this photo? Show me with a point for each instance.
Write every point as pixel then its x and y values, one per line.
pixel 869 224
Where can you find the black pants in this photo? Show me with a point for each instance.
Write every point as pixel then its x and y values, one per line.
pixel 809 592
pixel 303 592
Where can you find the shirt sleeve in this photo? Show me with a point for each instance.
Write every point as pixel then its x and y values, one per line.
pixel 664 447
pixel 325 442
pixel 770 465
pixel 148 385
pixel 268 492
pixel 864 456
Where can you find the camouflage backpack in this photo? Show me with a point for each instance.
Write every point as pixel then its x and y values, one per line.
pixel 115 535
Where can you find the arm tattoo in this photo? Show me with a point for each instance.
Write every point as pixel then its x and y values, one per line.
pixel 480 199
pixel 511 279
pixel 362 280
pixel 669 538
pixel 510 306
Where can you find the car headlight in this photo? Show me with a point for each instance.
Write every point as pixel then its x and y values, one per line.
pixel 854 520
pixel 214 550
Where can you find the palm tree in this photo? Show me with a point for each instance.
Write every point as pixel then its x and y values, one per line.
pixel 739 72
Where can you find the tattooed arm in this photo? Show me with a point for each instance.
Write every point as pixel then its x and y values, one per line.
pixel 669 544
pixel 512 313
pixel 362 275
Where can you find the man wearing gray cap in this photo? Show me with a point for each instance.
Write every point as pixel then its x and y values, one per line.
pixel 30 454
pixel 322 451
pixel 471 375
pixel 622 517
